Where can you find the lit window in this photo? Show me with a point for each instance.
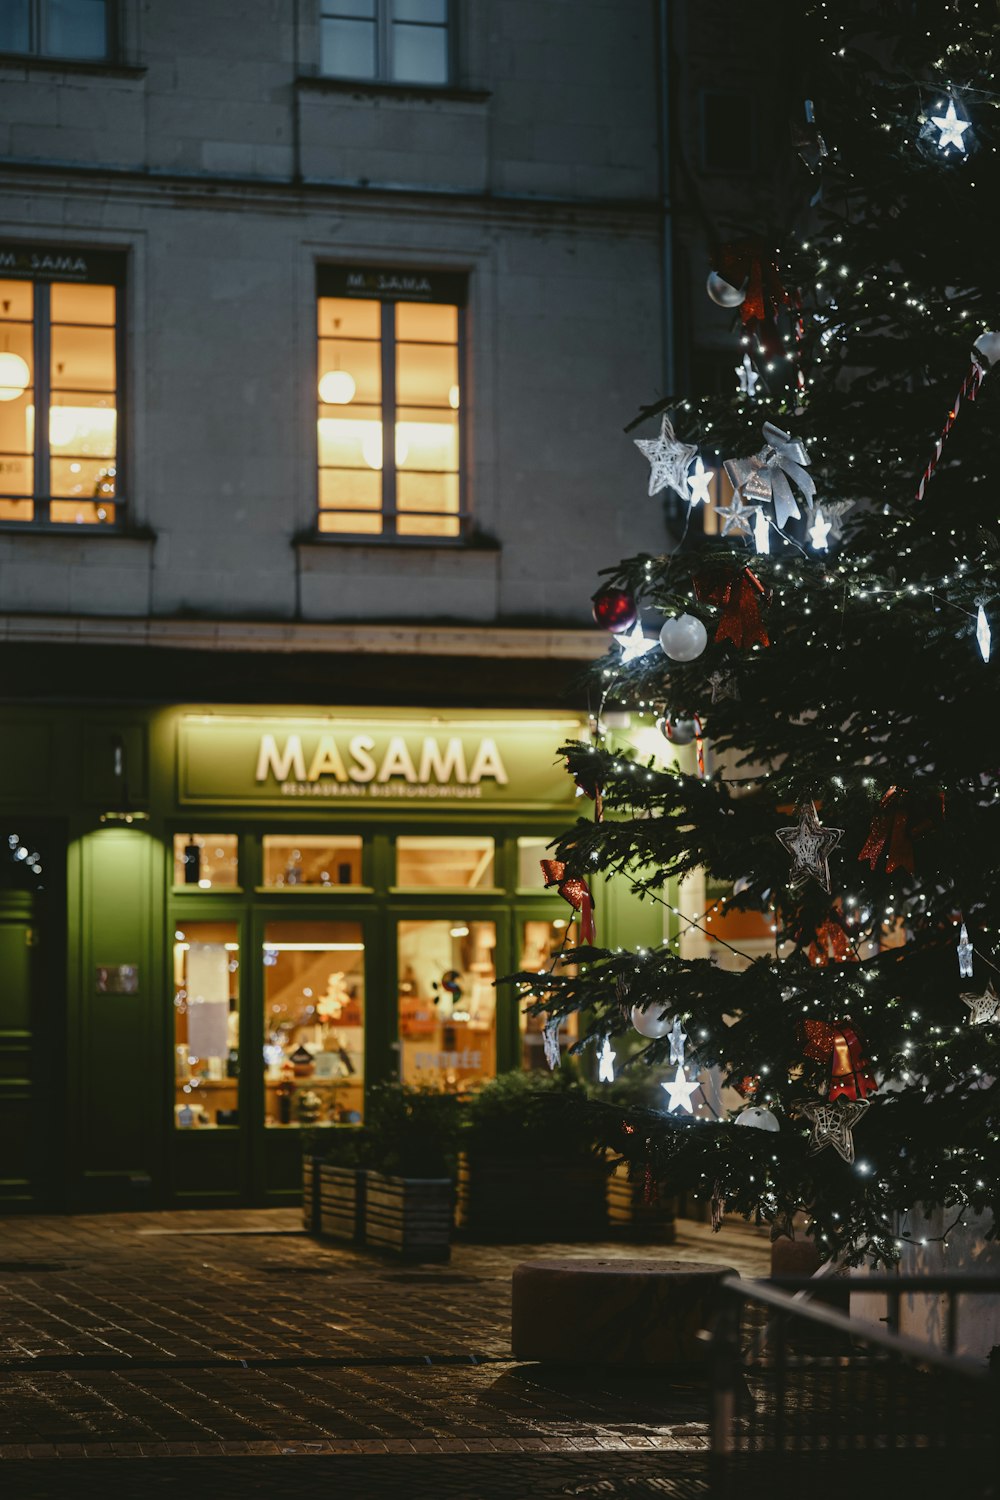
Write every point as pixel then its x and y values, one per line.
pixel 395 41
pixel 456 863
pixel 78 30
pixel 447 1003
pixel 206 1025
pixel 59 355
pixel 311 859
pixel 389 391
pixel 205 861
pixel 542 944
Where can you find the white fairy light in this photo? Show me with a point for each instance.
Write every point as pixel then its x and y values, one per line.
pixel 606 1063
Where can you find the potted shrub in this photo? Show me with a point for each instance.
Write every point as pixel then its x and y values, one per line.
pixel 338 1183
pixel 530 1166
pixel 639 1207
pixel 409 1203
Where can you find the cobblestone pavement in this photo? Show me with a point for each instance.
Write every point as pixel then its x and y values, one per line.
pixel 187 1338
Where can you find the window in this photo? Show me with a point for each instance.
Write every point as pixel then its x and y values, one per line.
pixel 447 1002
pixel 395 41
pixel 59 354
pixel 206 1025
pixel 312 860
pixel 78 30
pixel 389 388
pixel 456 862
pixel 542 944
pixel 206 861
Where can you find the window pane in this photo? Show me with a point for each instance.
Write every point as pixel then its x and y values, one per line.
pixel 436 494
pixel 82 512
pixel 83 359
pixel 432 11
pixel 427 375
pixel 347 524
pixel 17 510
pixel 447 1003
pixel 343 317
pixel 349 489
pixel 419 54
pixel 417 525
pixel 426 440
pixel 313 1023
pixel 16 360
pixel 17 425
pixel 426 323
pixel 15 26
pixel 312 859
pixel 353 442
pixel 17 299
pixel 353 8
pixel 540 942
pixel 347 49
pixel 530 853
pixel 349 371
pixel 459 863
pixel 206 861
pixel 73 302
pixel 75 28
pixel 206 1024
pixel 81 425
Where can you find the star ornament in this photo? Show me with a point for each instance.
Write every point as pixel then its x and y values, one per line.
pixel 634 644
pixel 737 517
pixel 747 377
pixel 698 483
pixel 606 1063
pixel 810 845
pixel 819 531
pixel 680 1091
pixel 952 129
pixel 983 1007
pixel 833 1124
pixel 669 460
pixel 965 951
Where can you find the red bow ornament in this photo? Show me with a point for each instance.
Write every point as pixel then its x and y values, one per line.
pixel 753 265
pixel 839 1044
pixel 738 595
pixel 902 817
pixel 576 891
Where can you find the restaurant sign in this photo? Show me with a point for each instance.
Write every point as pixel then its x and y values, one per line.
pixel 495 763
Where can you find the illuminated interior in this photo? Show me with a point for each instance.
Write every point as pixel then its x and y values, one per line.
pixel 447 1003
pixel 541 942
pixel 311 860
pixel 456 862
pixel 206 1025
pixel 206 861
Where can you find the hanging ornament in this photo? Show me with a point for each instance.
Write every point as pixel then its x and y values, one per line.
pixel 810 845
pixel 723 685
pixel 606 1062
pixel 983 1007
pixel 762 533
pixel 576 891
pixel 833 1124
pixel 615 610
pixel 722 292
pixel 738 592
pixel 808 141
pixel 983 635
pixel 840 1047
pixel 677 731
pixel 757 1118
pixel 649 1021
pixel 678 1041
pixel 765 475
pixel 737 517
pixel 965 951
pixel 550 1043
pixel 669 460
pixel 683 638
pixel 699 481
pixel 679 1090
pixel 831 944
pixel 752 265
pixel 984 352
pixel 952 127
pixel 819 531
pixel 634 644
pixel 903 817
pixel 747 377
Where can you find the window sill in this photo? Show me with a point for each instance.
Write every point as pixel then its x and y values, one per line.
pixel 310 892
pixel 374 89
pixel 97 69
pixel 325 540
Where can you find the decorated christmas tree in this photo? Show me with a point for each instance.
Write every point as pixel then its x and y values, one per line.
pixel 820 638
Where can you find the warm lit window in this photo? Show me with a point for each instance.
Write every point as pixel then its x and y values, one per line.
pixel 543 943
pixel 447 1002
pixel 395 41
pixel 59 354
pixel 312 859
pixel 206 1025
pixel 457 862
pixel 390 360
pixel 206 861
pixel 73 29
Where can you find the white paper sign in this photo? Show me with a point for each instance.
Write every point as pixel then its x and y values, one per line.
pixel 208 999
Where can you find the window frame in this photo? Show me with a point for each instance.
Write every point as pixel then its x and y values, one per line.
pixel 103 269
pixel 384 50
pixel 447 288
pixel 38 16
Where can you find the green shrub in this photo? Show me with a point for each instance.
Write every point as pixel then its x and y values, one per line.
pixel 412 1132
pixel 528 1115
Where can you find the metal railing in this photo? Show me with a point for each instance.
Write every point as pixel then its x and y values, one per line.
pixel 803 1392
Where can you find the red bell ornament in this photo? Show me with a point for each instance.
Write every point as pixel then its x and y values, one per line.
pixel 615 610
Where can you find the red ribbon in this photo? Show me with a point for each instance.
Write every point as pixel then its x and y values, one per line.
pixel 756 263
pixel 830 942
pixel 902 818
pixel 738 595
pixel 850 1070
pixel 576 891
pixel 591 789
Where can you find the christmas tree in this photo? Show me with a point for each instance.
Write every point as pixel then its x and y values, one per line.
pixel 824 640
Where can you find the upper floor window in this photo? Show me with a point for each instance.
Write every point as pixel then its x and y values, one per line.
pixel 59 355
pixel 394 41
pixel 78 30
pixel 391 347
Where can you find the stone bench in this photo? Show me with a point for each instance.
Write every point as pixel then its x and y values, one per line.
pixel 614 1311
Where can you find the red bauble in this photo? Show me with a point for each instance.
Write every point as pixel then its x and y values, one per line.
pixel 615 610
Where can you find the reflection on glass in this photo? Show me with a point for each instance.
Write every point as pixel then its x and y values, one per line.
pixel 312 859
pixel 206 1025
pixel 459 862
pixel 541 942
pixel 82 411
pixel 314 988
pixel 530 853
pixel 447 1003
pixel 206 861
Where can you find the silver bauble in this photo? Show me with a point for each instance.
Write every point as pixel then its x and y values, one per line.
pixel 987 346
pixel 682 731
pixel 648 1021
pixel 684 638
pixel 722 292
pixel 757 1118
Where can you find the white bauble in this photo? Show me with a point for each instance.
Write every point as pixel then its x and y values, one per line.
pixel 757 1118
pixel 648 1021
pixel 722 292
pixel 987 346
pixel 684 638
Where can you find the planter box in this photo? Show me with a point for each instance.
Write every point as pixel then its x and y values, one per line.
pixel 411 1216
pixel 631 1215
pixel 310 1195
pixel 341 1203
pixel 518 1202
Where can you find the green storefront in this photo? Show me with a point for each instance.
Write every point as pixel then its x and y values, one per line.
pixel 220 925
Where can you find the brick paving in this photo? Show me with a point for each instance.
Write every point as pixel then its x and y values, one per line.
pixel 181 1338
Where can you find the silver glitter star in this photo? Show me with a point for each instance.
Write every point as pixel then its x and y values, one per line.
pixel 723 685
pixel 550 1042
pixel 678 1037
pixel 738 517
pixel 982 1007
pixel 833 1124
pixel 965 951
pixel 747 377
pixel 669 460
pixel 810 845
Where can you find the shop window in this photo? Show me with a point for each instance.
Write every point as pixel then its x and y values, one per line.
pixel 312 860
pixel 447 1003
pixel 77 30
pixel 530 853
pixel 314 992
pixel 541 942
pixel 206 861
pixel 59 355
pixel 396 41
pixel 458 863
pixel 206 1025
pixel 388 427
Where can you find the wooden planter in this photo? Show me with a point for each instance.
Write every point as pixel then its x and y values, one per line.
pixel 503 1200
pixel 341 1203
pixel 411 1216
pixel 310 1195
pixel 634 1216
